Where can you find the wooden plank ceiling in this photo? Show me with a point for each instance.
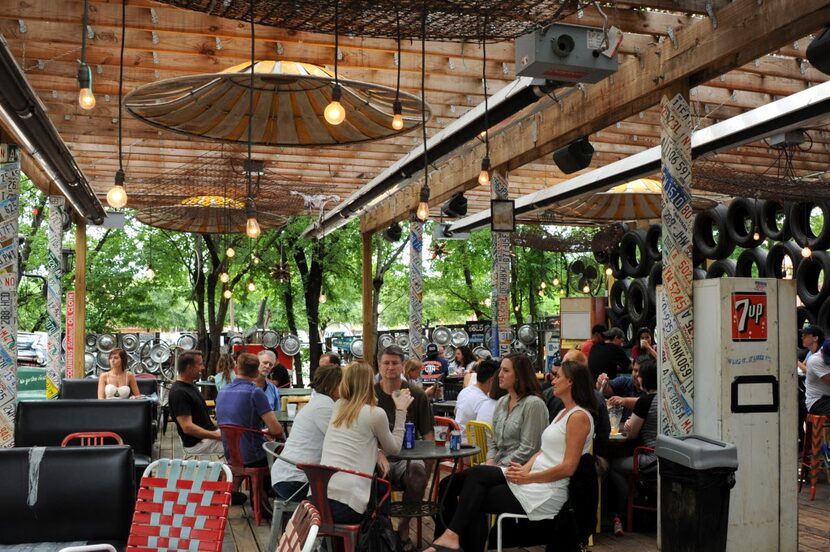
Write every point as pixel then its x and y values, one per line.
pixel 163 42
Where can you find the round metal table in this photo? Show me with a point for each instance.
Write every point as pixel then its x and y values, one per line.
pixel 294 391
pixel 427 451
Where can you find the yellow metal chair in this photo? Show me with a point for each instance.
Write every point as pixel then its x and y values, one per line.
pixel 477 433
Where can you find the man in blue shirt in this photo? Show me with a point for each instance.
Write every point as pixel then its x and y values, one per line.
pixel 267 359
pixel 242 403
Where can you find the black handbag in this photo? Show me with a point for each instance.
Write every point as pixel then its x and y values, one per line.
pixel 376 533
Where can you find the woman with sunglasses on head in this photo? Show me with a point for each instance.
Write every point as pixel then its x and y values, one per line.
pixel 537 488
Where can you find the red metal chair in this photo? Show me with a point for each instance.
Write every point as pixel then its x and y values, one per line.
pixel 183 507
pixel 301 530
pixel 318 479
pixel 92 438
pixel 817 430
pixel 254 477
pixel 635 484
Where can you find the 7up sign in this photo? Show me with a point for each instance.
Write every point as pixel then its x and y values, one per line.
pixel 749 316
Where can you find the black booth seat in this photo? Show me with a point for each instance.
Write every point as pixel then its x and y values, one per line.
pixel 87 388
pixel 46 423
pixel 83 494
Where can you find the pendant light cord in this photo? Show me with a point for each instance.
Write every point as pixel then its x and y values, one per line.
pixel 423 93
pixel 484 80
pixel 336 37
pixel 120 76
pixel 398 23
pixel 251 101
pixel 83 34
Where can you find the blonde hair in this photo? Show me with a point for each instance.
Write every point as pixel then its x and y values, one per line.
pixel 410 365
pixel 356 390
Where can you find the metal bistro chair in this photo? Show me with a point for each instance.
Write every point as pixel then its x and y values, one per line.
pixel 281 507
pixel 255 477
pixel 184 506
pixel 301 531
pixel 92 438
pixel 637 483
pixel 318 478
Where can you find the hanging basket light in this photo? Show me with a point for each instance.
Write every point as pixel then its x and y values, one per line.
pixel 289 102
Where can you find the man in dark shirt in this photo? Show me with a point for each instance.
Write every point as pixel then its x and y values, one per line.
pixel 187 406
pixel 608 357
pixel 412 476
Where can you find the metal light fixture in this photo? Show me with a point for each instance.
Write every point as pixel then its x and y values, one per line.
pixel 117 195
pixel 86 99
pixel 334 112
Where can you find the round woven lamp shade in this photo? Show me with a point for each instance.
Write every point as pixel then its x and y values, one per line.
pixel 636 200
pixel 206 219
pixel 289 100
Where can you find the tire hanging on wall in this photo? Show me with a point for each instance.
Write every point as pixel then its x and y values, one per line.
pixel 699 274
pixel 812 279
pixel 655 278
pixel 624 323
pixel 704 238
pixel 822 319
pixel 742 223
pixel 768 212
pixel 632 248
pixel 615 263
pixel 639 303
pixel 601 256
pixel 748 258
pixel 618 297
pixel 611 318
pixel 800 225
pixel 775 259
pixel 721 268
pixel 654 243
pixel 804 317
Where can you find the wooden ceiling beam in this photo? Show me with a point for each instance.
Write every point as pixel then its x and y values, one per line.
pixel 745 31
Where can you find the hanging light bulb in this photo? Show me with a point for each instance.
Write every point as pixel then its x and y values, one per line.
pixel 541 293
pixel 86 99
pixel 322 298
pixel 756 236
pixel 423 207
pixel 117 195
pixel 586 289
pixel 397 117
pixel 256 260
pixel 488 302
pixel 252 228
pixel 543 285
pixel 335 113
pixel 806 252
pixel 555 281
pixel 251 285
pixel 151 273
pixel 224 277
pixel 517 308
pixel 484 175
pixel 230 252
pixel 561 292
pixel 608 271
pixel 227 294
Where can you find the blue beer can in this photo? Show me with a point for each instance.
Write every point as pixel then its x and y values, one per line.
pixel 409 436
pixel 455 440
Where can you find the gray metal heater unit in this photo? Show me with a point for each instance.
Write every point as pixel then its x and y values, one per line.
pixel 564 53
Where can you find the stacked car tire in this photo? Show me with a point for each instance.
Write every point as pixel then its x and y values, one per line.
pixel 763 232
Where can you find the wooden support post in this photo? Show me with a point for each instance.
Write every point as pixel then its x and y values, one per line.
pixel 368 318
pixel 675 314
pixel 80 297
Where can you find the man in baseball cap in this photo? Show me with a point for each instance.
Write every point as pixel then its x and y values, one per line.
pixel 596 337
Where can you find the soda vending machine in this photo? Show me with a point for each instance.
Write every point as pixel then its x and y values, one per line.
pixel 745 393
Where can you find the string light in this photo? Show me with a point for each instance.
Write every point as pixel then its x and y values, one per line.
pixel 227 294
pixel 586 289
pixel 423 206
pixel 756 236
pixel 541 293
pixel 230 252
pixel 335 113
pixel 543 285
pixel 488 302
pixel 806 252
pixel 322 298
pixel 86 99
pixel 484 175
pixel 117 195
pixel 151 273
pixel 224 277
pixel 555 281
pixel 251 285
pixel 252 228
pixel 397 108
pixel 397 117
pixel 609 271
pixel 256 260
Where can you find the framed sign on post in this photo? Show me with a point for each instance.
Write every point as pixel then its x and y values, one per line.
pixel 502 219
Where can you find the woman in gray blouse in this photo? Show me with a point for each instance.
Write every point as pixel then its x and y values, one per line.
pixel 518 422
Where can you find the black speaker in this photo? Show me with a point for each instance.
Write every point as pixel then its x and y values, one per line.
pixel 574 157
pixel 818 52
pixel 456 207
pixel 393 233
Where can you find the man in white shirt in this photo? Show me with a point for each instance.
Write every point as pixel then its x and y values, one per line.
pixel 818 382
pixel 472 397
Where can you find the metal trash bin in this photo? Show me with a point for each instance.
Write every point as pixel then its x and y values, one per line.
pixel 696 476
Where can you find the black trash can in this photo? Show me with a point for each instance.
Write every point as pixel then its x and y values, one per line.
pixel 696 476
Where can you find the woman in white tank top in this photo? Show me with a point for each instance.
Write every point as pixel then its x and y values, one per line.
pixel 118 383
pixel 538 488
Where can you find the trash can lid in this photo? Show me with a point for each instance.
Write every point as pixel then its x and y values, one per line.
pixel 697 452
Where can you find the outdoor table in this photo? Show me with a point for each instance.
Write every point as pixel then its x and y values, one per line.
pixel 294 391
pixel 285 421
pixel 427 451
pixel 447 407
pixel 205 383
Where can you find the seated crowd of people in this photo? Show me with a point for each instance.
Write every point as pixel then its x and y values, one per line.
pixel 355 420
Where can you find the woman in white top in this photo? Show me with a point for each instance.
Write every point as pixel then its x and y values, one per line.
pixel 357 431
pixel 224 371
pixel 539 487
pixel 463 361
pixel 118 383
pixel 305 443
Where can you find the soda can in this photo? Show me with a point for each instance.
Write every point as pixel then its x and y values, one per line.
pixel 409 436
pixel 455 440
